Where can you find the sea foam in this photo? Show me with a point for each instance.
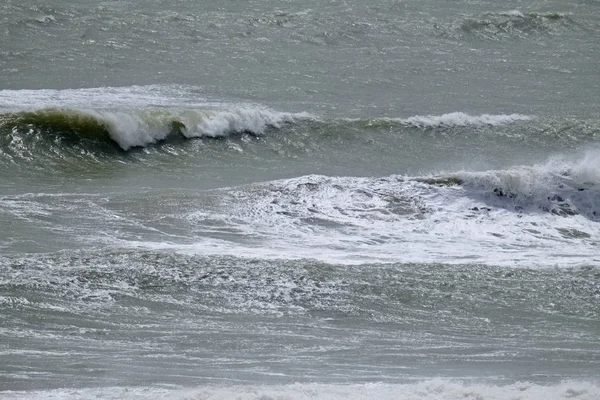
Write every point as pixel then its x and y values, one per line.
pixel 435 389
pixel 461 119
pixel 522 216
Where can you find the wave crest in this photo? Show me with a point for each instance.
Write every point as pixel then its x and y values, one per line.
pixel 458 119
pixel 511 24
pixel 138 128
pixel 564 187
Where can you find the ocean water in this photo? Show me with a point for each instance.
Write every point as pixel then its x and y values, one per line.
pixel 300 200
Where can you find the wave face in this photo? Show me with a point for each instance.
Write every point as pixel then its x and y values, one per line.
pixel 44 138
pixel 41 129
pixel 61 134
pixel 139 128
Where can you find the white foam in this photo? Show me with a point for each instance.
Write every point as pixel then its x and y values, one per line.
pixel 513 13
pixel 435 389
pixel 130 129
pixel 140 115
pixel 583 170
pixel 524 216
pixel 573 177
pixel 140 127
pixel 221 123
pixel 457 119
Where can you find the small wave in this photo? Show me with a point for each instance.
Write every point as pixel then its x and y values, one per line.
pixel 449 120
pixel 509 24
pixel 461 119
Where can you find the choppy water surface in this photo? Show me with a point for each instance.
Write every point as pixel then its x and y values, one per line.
pixel 299 200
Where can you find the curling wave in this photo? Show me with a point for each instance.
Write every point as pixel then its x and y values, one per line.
pixel 138 128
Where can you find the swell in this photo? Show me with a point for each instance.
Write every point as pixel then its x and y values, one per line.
pixel 50 135
pixel 451 120
pixel 144 126
pixel 512 24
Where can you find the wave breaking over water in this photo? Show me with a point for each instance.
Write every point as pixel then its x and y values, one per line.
pixel 145 126
pixel 460 119
pixel 521 213
pixel 138 128
pixel 521 216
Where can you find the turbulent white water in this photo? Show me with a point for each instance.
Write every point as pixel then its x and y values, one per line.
pixel 523 216
pixel 139 116
pixel 428 390
pixel 461 119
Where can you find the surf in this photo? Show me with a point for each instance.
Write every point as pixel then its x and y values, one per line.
pixel 141 127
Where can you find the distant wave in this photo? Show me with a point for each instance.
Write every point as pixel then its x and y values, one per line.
pixel 449 120
pixel 510 24
pixel 462 119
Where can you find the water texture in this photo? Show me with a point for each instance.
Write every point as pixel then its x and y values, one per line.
pixel 299 200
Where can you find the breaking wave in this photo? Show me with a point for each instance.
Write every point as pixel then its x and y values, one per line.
pixel 521 213
pixel 460 119
pixel 561 186
pixel 142 127
pixel 68 131
pixel 519 216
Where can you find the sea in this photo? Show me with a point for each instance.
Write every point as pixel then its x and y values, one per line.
pixel 292 200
